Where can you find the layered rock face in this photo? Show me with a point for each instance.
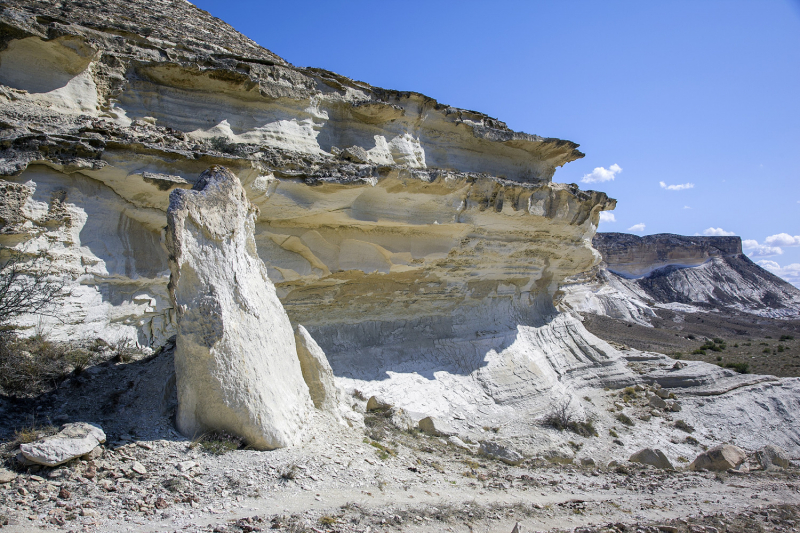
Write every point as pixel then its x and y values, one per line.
pixel 376 205
pixel 235 357
pixel 405 235
pixel 640 274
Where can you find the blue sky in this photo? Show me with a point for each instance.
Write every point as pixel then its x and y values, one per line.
pixel 704 95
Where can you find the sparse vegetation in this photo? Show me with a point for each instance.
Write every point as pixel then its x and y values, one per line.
pixel 30 284
pixel 741 367
pixel 683 426
pixel 561 418
pixel 31 433
pixel 31 366
pixel 624 419
pixel 220 443
pixel 786 338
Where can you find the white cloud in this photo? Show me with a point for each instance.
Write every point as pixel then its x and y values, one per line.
pixel 760 250
pixel 637 227
pixel 601 174
pixel 686 207
pixel 718 232
pixel 679 187
pixel 783 239
pixel 790 273
pixel 605 216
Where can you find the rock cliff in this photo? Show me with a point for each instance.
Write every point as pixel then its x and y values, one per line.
pixel 640 274
pixel 416 246
pixel 406 236
pixel 104 109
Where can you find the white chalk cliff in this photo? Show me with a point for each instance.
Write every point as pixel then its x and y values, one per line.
pixel 236 364
pixel 419 245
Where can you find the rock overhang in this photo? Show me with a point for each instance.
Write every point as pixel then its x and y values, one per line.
pixel 439 202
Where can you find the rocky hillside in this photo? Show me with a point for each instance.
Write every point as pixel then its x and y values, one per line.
pixel 357 279
pixel 641 274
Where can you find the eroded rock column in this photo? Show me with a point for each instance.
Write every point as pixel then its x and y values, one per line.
pixel 235 357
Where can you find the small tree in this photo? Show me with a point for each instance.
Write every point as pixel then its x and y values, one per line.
pixel 29 285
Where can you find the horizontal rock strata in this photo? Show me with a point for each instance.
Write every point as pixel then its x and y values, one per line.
pixel 640 274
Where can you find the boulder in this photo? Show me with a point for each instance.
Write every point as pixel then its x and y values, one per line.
pixel 771 457
pixel 236 363
pixel 74 440
pixel 458 443
pixel 318 375
pixel 436 427
pixel 719 458
pixel 7 476
pixel 400 419
pixel 662 393
pixel 376 404
pixel 657 402
pixel 653 457
pixel 558 457
pixel 501 453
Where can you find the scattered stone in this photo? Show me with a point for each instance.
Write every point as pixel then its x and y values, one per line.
pixel 587 462
pixel 679 365
pixel 652 457
pixel 376 404
pixel 139 468
pixel 455 441
pixel 96 453
pixel 657 402
pixel 74 440
pixel 91 513
pixel 771 457
pixel 7 476
pixel 558 457
pixel 719 458
pixel 432 425
pixel 517 528
pixel 662 393
pixel 185 466
pixel 400 419
pixel 64 494
pixel 501 453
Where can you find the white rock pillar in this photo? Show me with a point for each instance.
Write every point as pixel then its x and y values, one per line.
pixel 235 356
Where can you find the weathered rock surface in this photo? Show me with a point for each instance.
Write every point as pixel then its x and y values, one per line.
pixel 719 458
pixel 235 357
pixel 436 427
pixel 641 274
pixel 652 457
pixel 73 440
pixel 7 476
pixel 773 457
pixel 501 453
pixel 318 375
pixel 359 187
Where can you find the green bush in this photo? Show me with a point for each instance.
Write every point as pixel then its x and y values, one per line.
pixel 742 368
pixel 625 419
